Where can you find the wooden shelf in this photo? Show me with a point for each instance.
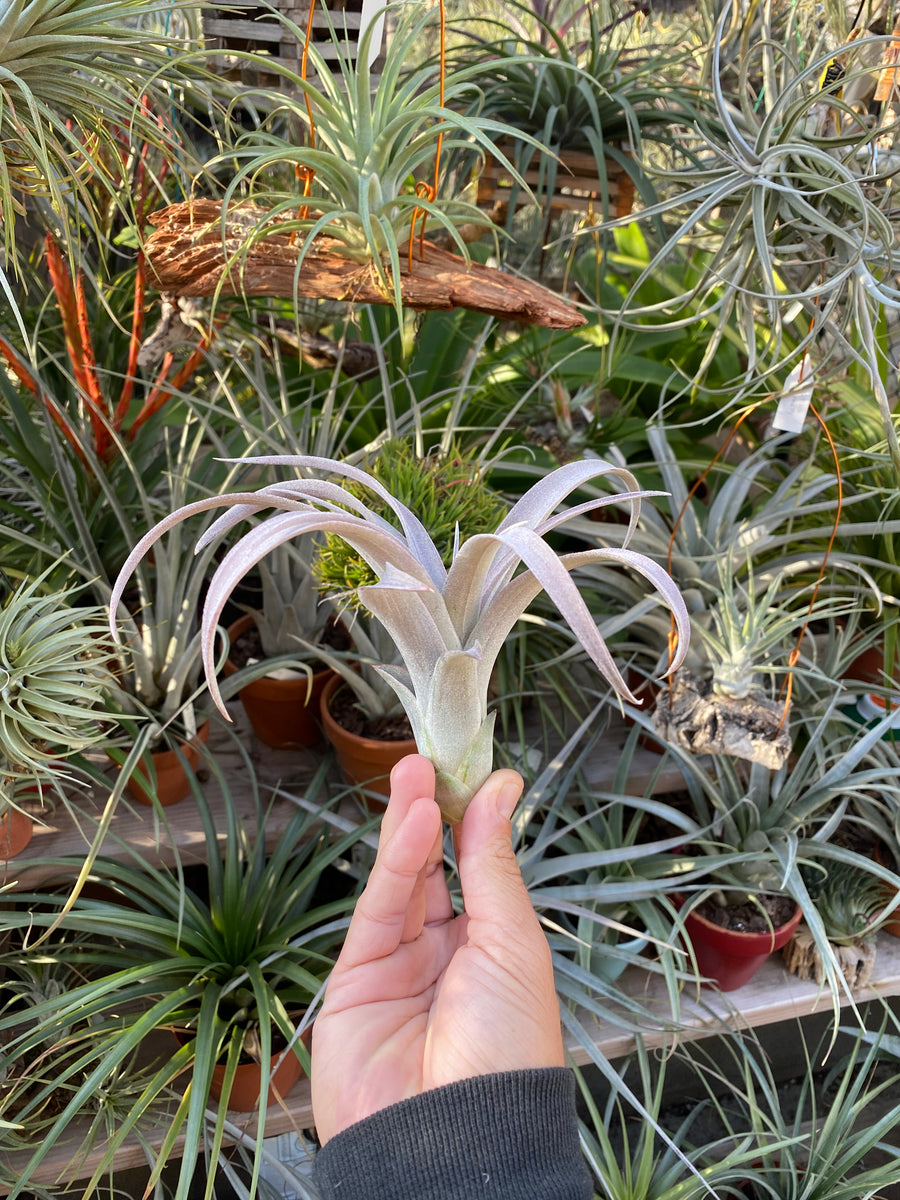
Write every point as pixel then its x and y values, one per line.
pixel 773 995
pixel 179 833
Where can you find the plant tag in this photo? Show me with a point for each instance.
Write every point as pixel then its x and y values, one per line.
pixel 790 415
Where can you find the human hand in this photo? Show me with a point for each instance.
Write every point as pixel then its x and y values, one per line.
pixel 419 997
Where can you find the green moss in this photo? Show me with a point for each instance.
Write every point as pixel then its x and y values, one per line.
pixel 444 491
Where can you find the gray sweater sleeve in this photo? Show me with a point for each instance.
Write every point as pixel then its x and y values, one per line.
pixel 511 1136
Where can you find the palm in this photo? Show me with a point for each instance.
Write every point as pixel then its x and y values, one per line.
pixel 420 998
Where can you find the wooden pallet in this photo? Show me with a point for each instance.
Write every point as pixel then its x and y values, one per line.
pixel 579 187
pixel 234 28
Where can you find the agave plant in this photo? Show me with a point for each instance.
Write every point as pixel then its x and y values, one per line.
pixel 448 625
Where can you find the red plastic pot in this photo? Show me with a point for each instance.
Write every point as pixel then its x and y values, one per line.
pixel 283 713
pixel 363 760
pixel 728 958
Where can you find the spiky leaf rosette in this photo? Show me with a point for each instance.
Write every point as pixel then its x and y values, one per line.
pixel 52 676
pixel 448 624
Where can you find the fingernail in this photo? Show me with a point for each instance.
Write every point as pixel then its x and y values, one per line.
pixel 507 798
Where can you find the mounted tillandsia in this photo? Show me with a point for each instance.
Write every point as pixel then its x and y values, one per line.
pixel 373 186
pixel 448 625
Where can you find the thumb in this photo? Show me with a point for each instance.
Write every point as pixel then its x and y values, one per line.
pixel 492 885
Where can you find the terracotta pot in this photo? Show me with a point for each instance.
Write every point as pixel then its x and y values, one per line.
pixel 16 830
pixel 868 667
pixel 731 959
pixel 247 1085
pixel 172 783
pixel 363 760
pixel 282 712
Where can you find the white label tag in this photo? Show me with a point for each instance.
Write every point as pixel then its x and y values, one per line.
pixel 790 415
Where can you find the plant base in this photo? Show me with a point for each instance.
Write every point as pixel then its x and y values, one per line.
pixel 856 961
pixel 753 728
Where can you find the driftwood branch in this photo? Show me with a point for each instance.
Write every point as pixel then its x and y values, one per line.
pixel 188 256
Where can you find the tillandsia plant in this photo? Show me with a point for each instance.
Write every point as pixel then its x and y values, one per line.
pixel 73 75
pixel 231 965
pixel 368 142
pixel 448 625
pixel 53 675
pixel 787 207
pixel 292 611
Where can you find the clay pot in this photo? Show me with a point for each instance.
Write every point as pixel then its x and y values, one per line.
pixel 729 958
pixel 868 667
pixel 16 830
pixel 282 712
pixel 363 760
pixel 172 782
pixel 247 1084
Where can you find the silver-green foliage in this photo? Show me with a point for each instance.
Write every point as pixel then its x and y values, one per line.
pixel 448 625
pixel 372 140
pixel 52 677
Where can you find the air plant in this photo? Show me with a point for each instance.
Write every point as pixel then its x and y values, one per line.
pixel 368 145
pixel 448 625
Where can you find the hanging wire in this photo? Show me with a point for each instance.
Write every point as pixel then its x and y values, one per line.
pixel 424 190
pixel 302 172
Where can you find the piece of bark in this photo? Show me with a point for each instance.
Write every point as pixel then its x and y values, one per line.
pixel 187 257
pixel 856 961
pixel 693 717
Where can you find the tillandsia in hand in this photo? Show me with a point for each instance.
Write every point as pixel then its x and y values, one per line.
pixel 448 624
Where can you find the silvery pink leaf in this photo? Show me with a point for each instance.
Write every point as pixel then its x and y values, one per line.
pixel 448 626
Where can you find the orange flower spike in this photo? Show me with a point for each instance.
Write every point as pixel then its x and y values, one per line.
pixel 96 401
pixel 18 367
pixel 65 302
pixel 23 374
pixel 134 344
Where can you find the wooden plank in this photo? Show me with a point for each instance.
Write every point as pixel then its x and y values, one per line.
pixel 69 831
pixel 772 995
pixel 61 833
pixel 276 31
